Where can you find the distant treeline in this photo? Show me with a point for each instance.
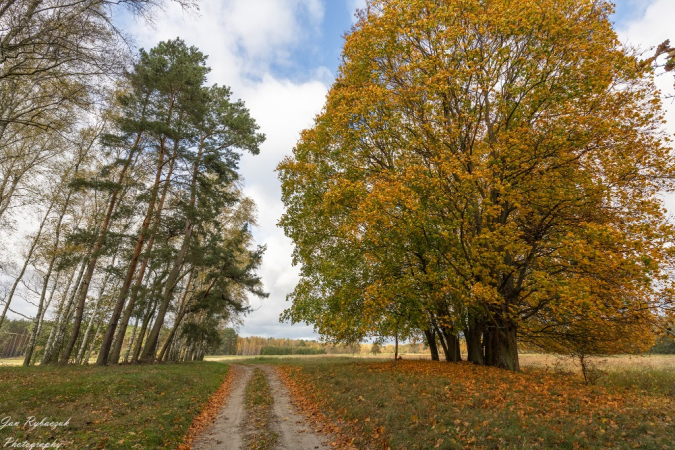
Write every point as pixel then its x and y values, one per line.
pixel 269 350
pixel 233 344
pixel 13 342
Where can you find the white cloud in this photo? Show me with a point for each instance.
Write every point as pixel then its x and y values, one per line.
pixel 264 28
pixel 353 5
pixel 651 29
pixel 282 109
pixel 645 33
pixel 244 40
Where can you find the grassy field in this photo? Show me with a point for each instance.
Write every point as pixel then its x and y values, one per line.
pixel 117 407
pixel 11 362
pixel 426 405
pixel 376 403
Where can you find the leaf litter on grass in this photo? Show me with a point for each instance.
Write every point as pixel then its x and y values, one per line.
pixel 425 404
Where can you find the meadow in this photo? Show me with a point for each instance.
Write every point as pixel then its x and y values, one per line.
pixel 367 403
pixel 120 407
pixel 416 404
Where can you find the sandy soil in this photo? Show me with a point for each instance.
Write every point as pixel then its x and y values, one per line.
pixel 294 431
pixel 226 431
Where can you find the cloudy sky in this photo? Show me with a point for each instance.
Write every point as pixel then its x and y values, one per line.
pixel 280 57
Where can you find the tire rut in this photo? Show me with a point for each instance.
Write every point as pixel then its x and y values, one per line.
pixel 226 432
pixel 295 433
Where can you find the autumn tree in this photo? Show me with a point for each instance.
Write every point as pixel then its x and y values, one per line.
pixel 492 166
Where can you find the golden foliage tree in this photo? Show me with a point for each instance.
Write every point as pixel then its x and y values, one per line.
pixel 485 167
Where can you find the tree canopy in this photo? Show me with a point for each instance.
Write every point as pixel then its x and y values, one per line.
pixel 488 169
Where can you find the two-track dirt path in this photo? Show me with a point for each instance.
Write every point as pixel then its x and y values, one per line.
pixel 226 431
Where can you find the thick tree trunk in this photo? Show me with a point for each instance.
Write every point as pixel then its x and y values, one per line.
pixel 444 344
pixel 474 347
pixel 451 348
pixel 501 345
pixel 431 342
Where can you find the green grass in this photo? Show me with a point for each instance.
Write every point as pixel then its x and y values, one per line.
pixel 259 402
pixel 426 405
pixel 116 407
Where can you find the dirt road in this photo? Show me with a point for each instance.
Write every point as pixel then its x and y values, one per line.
pixel 293 430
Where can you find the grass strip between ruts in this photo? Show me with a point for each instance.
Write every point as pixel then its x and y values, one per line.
pixel 258 434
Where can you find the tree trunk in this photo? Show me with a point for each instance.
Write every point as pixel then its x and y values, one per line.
pixel 4 203
pixel 431 342
pixel 131 341
pixel 38 315
pixel 451 348
pixel 49 302
pixel 26 262
pixel 121 327
pixel 152 306
pixel 57 318
pixel 501 345
pixel 85 338
pixel 179 317
pixel 64 317
pixel 473 334
pixel 40 312
pixel 100 240
pixel 85 360
pixel 148 354
pixel 101 293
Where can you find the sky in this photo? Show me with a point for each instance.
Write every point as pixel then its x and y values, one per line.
pixel 280 57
